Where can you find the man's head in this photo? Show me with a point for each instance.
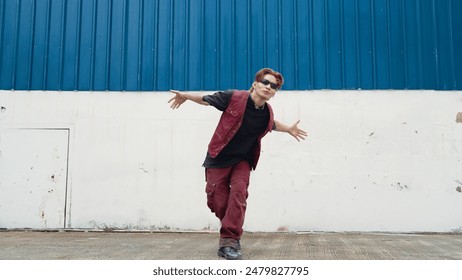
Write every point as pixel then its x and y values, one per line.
pixel 267 82
pixel 260 75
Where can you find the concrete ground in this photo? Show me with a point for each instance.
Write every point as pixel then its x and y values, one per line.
pixel 91 245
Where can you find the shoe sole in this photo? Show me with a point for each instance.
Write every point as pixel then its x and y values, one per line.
pixel 220 254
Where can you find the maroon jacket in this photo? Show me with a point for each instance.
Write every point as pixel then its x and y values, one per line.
pixel 231 121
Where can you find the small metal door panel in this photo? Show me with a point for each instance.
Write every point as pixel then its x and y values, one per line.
pixel 33 178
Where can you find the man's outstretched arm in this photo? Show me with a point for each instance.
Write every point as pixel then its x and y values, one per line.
pixel 181 97
pixel 293 130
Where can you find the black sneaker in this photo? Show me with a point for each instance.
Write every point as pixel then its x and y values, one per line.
pixel 229 253
pixel 238 245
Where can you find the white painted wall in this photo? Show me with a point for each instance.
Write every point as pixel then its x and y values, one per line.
pixel 374 161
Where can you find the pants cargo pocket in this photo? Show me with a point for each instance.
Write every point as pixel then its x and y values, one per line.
pixel 210 190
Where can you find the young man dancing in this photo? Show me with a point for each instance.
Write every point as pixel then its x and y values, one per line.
pixel 234 150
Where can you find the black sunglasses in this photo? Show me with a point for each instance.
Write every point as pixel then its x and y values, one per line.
pixel 272 85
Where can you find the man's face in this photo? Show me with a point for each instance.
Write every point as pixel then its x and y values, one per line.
pixel 266 88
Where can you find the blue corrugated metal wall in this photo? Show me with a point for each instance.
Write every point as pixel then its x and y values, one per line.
pixel 219 44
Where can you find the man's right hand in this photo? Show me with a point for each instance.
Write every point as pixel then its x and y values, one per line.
pixel 177 100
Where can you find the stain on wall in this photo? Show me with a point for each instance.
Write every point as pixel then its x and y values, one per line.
pixel 459 117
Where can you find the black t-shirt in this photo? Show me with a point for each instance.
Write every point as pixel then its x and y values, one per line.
pixel 242 146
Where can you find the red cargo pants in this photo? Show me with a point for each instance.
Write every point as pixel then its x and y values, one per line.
pixel 227 194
